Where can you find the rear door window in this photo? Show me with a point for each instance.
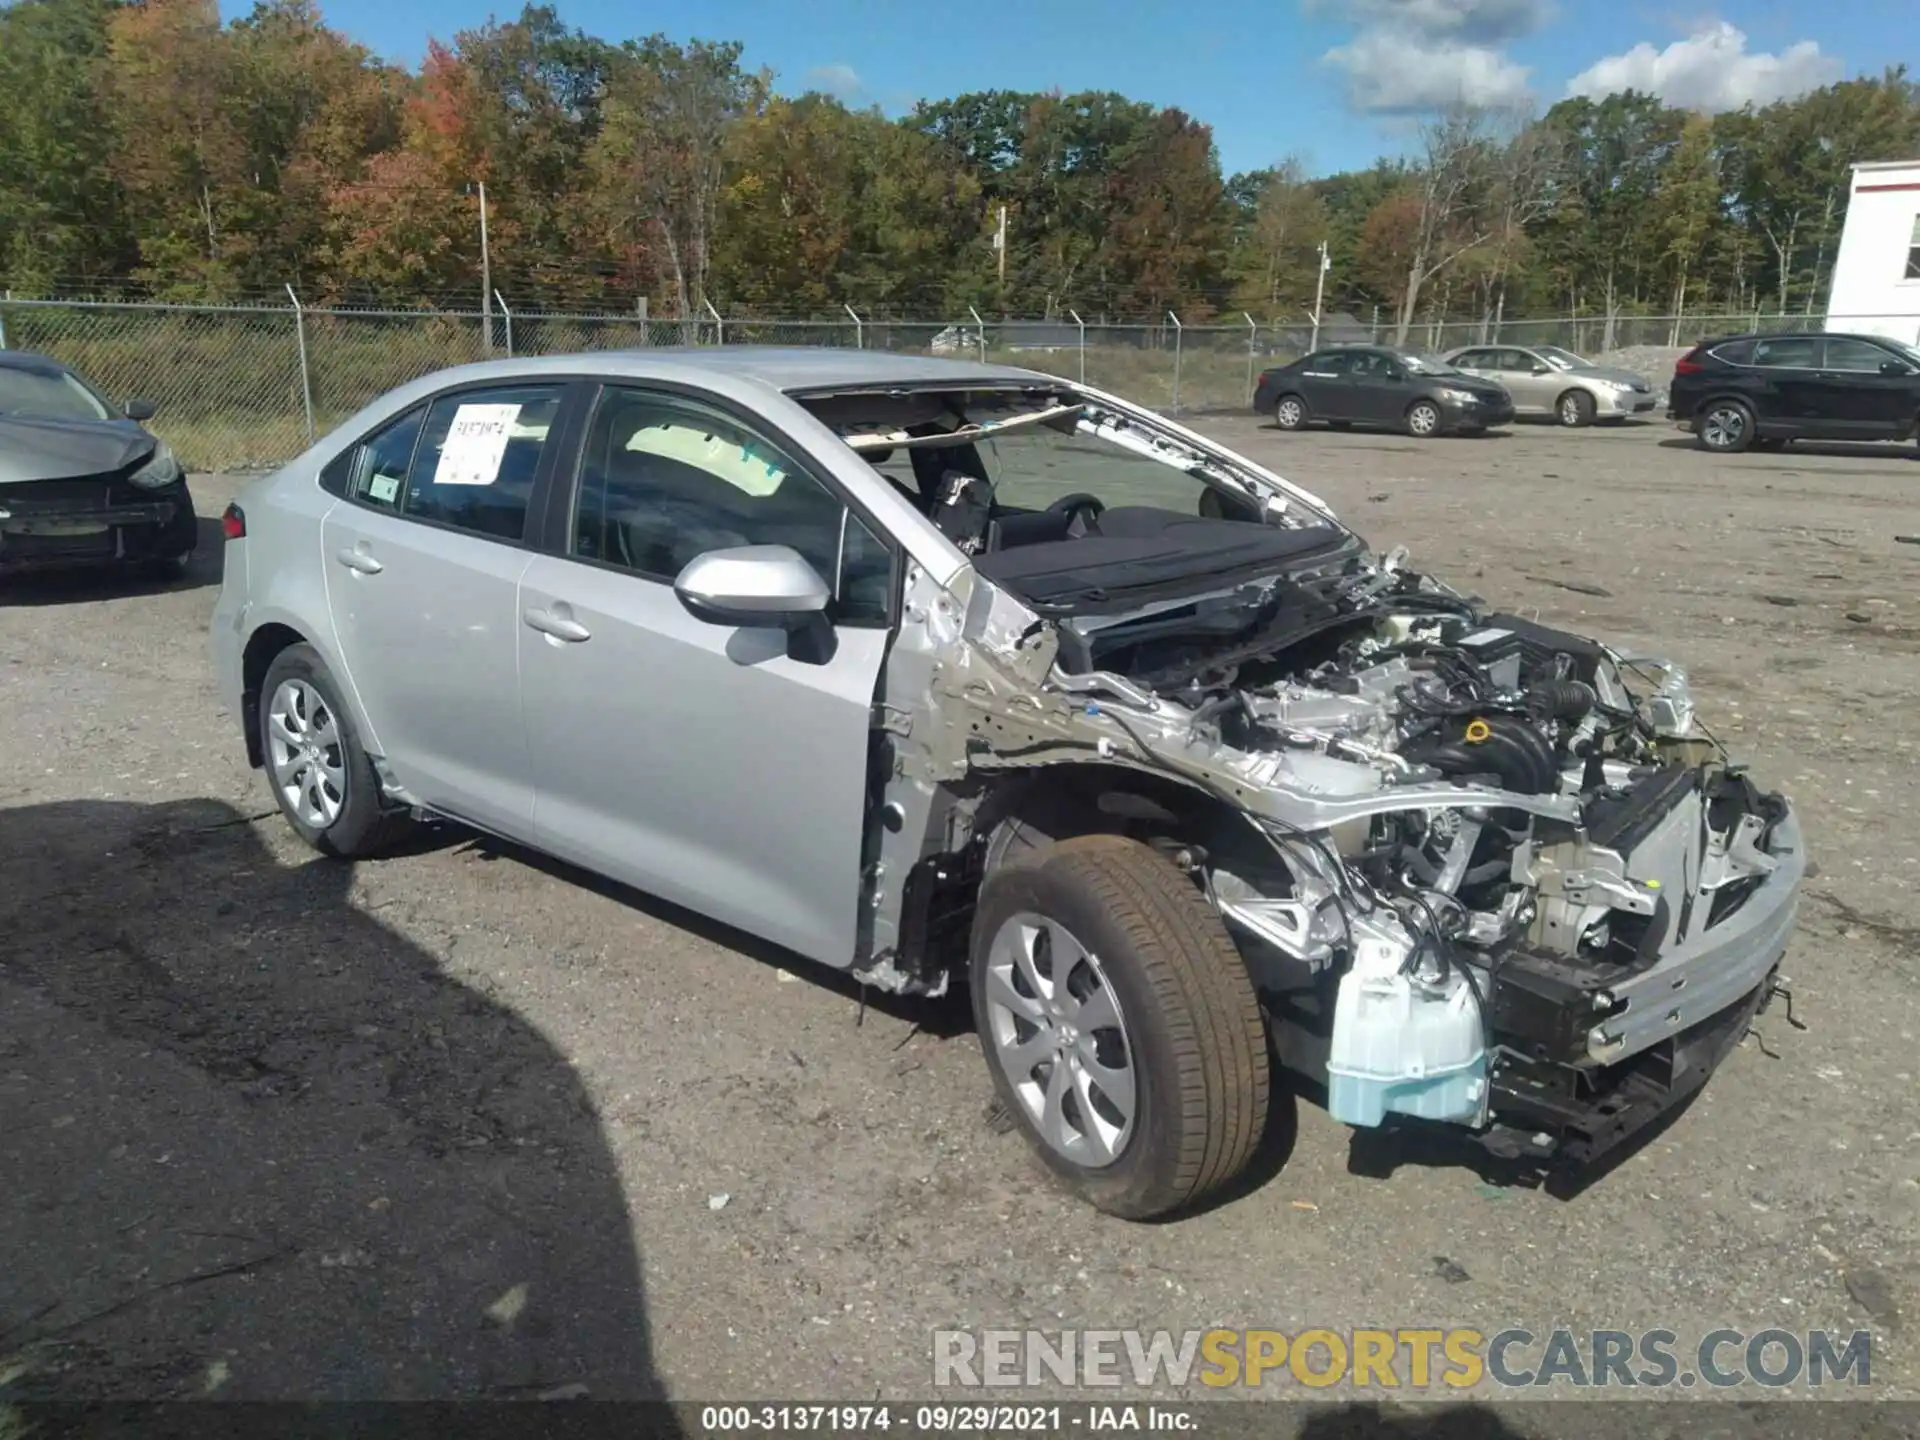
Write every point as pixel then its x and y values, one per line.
pixel 1788 352
pixel 373 471
pixel 1334 362
pixel 478 455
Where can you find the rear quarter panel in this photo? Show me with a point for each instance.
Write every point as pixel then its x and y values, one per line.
pixel 281 579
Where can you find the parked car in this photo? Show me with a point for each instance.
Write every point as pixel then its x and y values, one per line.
pixel 1546 380
pixel 1768 390
pixel 1371 385
pixel 934 671
pixel 81 481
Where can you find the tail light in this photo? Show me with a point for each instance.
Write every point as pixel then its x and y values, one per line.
pixel 233 523
pixel 1689 363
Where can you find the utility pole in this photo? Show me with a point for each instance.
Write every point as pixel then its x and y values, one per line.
pixel 1320 291
pixel 1000 244
pixel 486 274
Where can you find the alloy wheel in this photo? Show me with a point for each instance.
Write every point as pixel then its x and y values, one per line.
pixel 1288 414
pixel 1723 427
pixel 1057 1032
pixel 306 756
pixel 1423 419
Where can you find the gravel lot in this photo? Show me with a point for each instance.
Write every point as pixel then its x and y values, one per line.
pixel 464 1122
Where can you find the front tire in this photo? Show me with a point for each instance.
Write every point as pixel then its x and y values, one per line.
pixel 1574 409
pixel 321 776
pixel 1290 412
pixel 1423 419
pixel 1120 1026
pixel 1726 428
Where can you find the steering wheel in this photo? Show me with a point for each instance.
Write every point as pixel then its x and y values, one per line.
pixel 1074 506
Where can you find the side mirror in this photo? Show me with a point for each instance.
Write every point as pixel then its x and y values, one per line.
pixel 766 586
pixel 141 409
pixel 1894 367
pixel 1539 369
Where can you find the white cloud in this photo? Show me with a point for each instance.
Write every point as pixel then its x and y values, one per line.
pixel 1412 56
pixel 1392 73
pixel 838 79
pixel 1710 70
pixel 1480 22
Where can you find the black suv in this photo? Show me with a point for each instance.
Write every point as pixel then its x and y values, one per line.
pixel 1743 390
pixel 1373 385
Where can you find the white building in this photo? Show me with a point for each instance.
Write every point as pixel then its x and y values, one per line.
pixel 1876 275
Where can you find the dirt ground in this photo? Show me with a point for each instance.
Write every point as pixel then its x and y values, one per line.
pixel 464 1122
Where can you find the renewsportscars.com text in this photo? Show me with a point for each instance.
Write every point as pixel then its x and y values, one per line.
pixel 1409 1359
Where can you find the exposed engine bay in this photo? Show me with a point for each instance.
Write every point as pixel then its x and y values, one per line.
pixel 1502 830
pixel 1482 871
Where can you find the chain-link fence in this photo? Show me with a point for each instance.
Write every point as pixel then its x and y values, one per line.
pixel 245 388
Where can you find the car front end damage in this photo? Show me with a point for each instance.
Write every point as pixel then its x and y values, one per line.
pixel 95 520
pixel 1482 872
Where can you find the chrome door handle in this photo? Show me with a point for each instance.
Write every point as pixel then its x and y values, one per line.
pixel 360 561
pixel 558 626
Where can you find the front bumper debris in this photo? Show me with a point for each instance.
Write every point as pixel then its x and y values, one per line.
pixel 1587 1052
pixel 62 523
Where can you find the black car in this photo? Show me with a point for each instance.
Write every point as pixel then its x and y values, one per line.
pixel 1372 385
pixel 80 481
pixel 1765 390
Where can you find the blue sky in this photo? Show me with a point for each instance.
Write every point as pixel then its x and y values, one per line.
pixel 1335 81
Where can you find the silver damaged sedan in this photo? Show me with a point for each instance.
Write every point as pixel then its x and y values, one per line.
pixel 941 672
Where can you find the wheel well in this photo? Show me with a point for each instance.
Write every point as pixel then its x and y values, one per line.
pixel 262 646
pixel 1573 390
pixel 1021 814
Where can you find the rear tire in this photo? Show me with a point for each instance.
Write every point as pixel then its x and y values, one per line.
pixel 322 779
pixel 1423 419
pixel 1126 935
pixel 1574 409
pixel 1726 427
pixel 1290 412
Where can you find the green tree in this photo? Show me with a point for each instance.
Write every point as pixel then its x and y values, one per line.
pixel 1686 207
pixel 658 165
pixel 1282 222
pixel 62 216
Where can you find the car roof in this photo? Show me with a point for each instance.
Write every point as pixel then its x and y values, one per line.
pixel 31 360
pixel 1792 335
pixel 790 369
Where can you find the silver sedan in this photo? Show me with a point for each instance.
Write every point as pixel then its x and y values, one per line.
pixel 1549 381
pixel 937 672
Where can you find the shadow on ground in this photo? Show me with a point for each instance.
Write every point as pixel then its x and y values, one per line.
pixel 263 1147
pixel 1836 449
pixel 1436 1422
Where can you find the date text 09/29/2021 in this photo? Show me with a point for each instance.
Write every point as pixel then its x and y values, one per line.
pixel 948 1419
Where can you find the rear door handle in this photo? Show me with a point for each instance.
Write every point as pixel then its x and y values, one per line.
pixel 560 627
pixel 359 560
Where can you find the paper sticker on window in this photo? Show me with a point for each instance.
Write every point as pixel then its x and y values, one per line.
pixel 475 445
pixel 383 488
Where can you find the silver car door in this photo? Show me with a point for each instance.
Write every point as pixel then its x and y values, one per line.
pixel 701 762
pixel 423 561
pixel 1475 362
pixel 1533 394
